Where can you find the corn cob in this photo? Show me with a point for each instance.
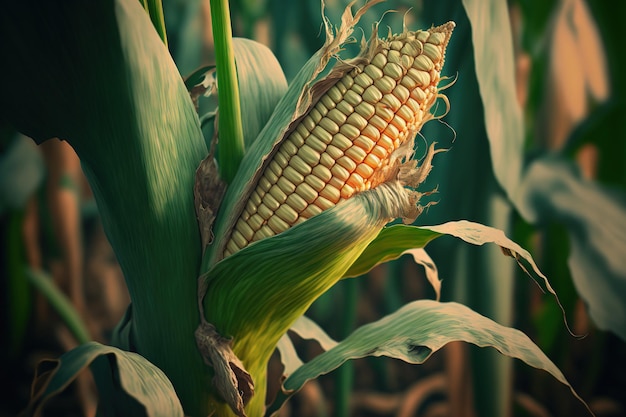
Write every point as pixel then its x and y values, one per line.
pixel 348 136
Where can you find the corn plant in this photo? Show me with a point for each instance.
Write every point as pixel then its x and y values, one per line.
pixel 226 241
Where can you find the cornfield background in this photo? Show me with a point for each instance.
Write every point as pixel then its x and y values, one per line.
pixel 568 83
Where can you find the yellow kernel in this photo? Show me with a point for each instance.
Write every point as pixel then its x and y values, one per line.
pixel 391 101
pixel 364 171
pixel 341 141
pixel 310 211
pixel 373 71
pixel 263 232
pixel 378 151
pixel 308 121
pixel 409 82
pixel 277 224
pixel 385 84
pixel 245 229
pixel 423 63
pixel 436 38
pixel 392 131
pixel 347 82
pixel 395 45
pixel 305 191
pixel 278 194
pixel 340 172
pixel 399 122
pixel 401 92
pixel 264 211
pixel 280 159
pixel 409 49
pixel 288 148
pixel 357 89
pixel 329 126
pixel 315 182
pixel 287 213
pixel 357 121
pixel 323 203
pixel 326 160
pixel 309 155
pixel 285 185
pixel 299 165
pixel 337 182
pixel 334 94
pixel 232 247
pixel 372 94
pixel 372 159
pixel 418 95
pixel 386 142
pixel 370 132
pixel 363 80
pixel 255 221
pixel 356 154
pixel 334 152
pixel 405 112
pixel 347 162
pixel 270 202
pixel 355 181
pixel 378 122
pixel 297 137
pixel 328 101
pixel 349 131
pixel 319 139
pixel 422 35
pixel 433 52
pixel 239 239
pixel 275 167
pixel 393 70
pixel 336 116
pixel 414 106
pixel 264 183
pixel 365 143
pixel 323 173
pixel 347 191
pixel 352 98
pixel 394 57
pixel 296 202
pixel 345 107
pixel 384 112
pixel 379 60
pixel 321 109
pixel 292 175
pixel 365 109
pixel 331 193
pixel 316 116
pixel 406 62
pixel 255 198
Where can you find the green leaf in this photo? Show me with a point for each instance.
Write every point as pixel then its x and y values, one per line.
pixel 59 301
pixel 128 384
pixel 116 96
pixel 391 243
pixel 595 217
pixel 416 331
pixel 495 71
pixel 261 85
pixel 308 329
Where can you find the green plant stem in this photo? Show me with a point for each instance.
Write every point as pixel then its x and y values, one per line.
pixel 231 146
pixel 59 301
pixel 345 374
pixel 155 11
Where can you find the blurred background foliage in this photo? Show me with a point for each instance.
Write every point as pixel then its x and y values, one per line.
pixel 567 63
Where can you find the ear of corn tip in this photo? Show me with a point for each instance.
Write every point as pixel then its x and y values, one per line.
pixel 348 135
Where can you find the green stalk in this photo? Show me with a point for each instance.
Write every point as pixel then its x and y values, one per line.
pixel 59 301
pixel 231 147
pixel 155 11
pixel 345 374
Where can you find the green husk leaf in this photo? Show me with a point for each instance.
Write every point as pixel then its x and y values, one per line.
pixel 415 332
pixel 128 384
pixel 254 298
